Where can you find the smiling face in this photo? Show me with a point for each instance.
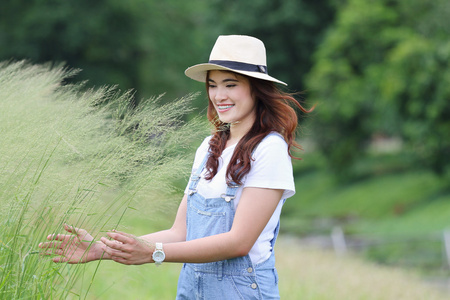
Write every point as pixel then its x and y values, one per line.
pixel 232 98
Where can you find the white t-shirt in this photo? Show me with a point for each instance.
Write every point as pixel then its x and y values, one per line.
pixel 271 169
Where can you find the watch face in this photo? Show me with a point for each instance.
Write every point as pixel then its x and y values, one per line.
pixel 158 256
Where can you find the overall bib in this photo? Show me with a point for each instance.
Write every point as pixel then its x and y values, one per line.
pixel 235 278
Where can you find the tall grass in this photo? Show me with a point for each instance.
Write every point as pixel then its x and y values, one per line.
pixel 83 157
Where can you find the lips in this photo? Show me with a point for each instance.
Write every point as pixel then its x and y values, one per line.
pixel 224 107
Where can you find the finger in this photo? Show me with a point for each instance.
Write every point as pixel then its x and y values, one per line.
pixel 114 244
pixel 52 244
pixel 54 251
pixel 59 237
pixel 59 259
pixel 122 237
pixel 70 228
pixel 121 260
pixel 46 253
pixel 132 239
pixel 58 252
pixel 75 230
pixel 123 233
pixel 116 253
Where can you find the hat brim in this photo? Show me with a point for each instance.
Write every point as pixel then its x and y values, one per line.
pixel 198 73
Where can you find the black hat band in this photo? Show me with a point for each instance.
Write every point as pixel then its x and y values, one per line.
pixel 235 65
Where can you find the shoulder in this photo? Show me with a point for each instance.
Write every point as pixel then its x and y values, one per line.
pixel 273 143
pixel 272 150
pixel 275 137
pixel 205 142
pixel 271 166
pixel 201 152
pixel 204 146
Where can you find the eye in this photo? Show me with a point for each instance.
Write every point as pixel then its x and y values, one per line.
pixel 211 86
pixel 231 85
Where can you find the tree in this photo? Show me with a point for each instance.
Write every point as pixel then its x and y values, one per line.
pixel 99 37
pixel 290 29
pixel 139 44
pixel 383 68
pixel 416 83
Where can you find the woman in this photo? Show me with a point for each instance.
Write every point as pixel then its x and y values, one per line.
pixel 228 220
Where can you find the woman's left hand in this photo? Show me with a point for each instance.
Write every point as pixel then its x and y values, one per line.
pixel 127 249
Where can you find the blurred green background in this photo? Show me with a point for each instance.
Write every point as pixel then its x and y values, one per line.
pixel 376 160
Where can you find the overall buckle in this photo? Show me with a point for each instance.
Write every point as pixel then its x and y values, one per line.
pixel 227 198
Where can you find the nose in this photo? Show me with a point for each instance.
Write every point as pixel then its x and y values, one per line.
pixel 220 95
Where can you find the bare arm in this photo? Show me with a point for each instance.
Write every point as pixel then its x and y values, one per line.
pixel 255 207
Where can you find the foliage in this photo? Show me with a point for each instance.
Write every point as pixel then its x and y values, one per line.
pixel 146 44
pixel 65 158
pixel 133 44
pixel 383 69
pixel 416 83
pixel 380 70
pixel 290 29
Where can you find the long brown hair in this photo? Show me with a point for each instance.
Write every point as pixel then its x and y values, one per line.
pixel 274 112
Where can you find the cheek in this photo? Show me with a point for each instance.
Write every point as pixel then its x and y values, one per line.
pixel 212 106
pixel 211 94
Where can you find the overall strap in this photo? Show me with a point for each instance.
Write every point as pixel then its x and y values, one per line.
pixel 228 196
pixel 195 177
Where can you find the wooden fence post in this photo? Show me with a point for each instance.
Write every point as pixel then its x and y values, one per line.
pixel 447 245
pixel 338 239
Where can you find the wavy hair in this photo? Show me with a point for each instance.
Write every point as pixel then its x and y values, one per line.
pixel 274 112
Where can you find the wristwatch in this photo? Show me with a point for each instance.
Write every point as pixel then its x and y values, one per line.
pixel 158 255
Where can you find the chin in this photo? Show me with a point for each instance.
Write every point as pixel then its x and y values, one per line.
pixel 225 120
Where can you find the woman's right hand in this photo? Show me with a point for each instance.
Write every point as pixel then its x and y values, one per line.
pixel 77 247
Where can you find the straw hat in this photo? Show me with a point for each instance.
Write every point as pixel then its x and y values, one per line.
pixel 237 53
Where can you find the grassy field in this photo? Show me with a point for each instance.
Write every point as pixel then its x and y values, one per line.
pixel 83 157
pixel 394 215
pixel 312 274
pixel 304 273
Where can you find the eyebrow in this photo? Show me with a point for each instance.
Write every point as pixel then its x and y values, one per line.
pixel 225 80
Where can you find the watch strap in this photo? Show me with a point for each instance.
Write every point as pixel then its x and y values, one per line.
pixel 158 249
pixel 159 246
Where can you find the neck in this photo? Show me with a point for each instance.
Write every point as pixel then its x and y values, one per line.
pixel 237 131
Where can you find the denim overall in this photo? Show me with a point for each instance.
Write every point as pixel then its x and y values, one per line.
pixel 235 278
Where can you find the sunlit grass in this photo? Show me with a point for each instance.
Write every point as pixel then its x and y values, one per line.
pixel 312 274
pixel 87 158
pixel 116 281
pixel 394 217
pixel 84 157
pixel 304 273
